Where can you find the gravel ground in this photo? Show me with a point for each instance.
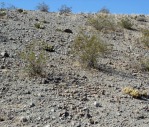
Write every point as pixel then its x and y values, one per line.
pixel 71 96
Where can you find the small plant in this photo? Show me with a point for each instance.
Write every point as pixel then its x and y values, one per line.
pixel 102 22
pixel 24 12
pixel 60 30
pixel 64 9
pixel 145 38
pixel 126 23
pixel 39 26
pixel 140 18
pixel 145 65
pixel 88 48
pixel 20 10
pixel 104 10
pixel 134 92
pixel 43 7
pixel 2 13
pixel 48 48
pixel 34 58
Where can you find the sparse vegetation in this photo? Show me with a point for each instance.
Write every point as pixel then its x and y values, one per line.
pixel 48 47
pixel 43 7
pixel 102 22
pixel 104 10
pixel 126 23
pixel 24 12
pixel 89 48
pixel 145 38
pixel 20 10
pixel 39 26
pixel 145 64
pixel 134 92
pixel 64 9
pixel 11 7
pixel 2 13
pixel 34 58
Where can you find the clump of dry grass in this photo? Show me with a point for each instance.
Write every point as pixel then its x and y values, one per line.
pixel 134 92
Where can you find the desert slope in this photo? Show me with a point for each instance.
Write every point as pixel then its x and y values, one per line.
pixel 70 95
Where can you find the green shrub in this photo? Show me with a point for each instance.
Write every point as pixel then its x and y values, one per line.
pixel 39 26
pixel 20 10
pixel 64 9
pixel 2 13
pixel 145 38
pixel 104 10
pixel 88 49
pixel 145 64
pixel 126 23
pixel 34 59
pixel 102 22
pixel 43 7
pixel 24 12
pixel 48 48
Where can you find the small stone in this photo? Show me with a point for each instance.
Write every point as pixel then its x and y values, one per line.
pixel 23 119
pixel 32 105
pixel 91 121
pixel 68 31
pixel 53 110
pixel 97 104
pixel 47 125
pixel 4 54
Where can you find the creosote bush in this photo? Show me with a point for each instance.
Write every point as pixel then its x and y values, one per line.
pixel 88 49
pixel 34 58
pixel 145 64
pixel 43 7
pixel 126 23
pixel 104 10
pixel 102 22
pixel 20 10
pixel 64 9
pixel 145 37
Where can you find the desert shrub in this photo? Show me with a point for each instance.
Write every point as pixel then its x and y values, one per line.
pixel 88 49
pixel 64 9
pixel 126 23
pixel 39 26
pixel 134 92
pixel 104 10
pixel 2 6
pixel 24 12
pixel 145 64
pixel 102 22
pixel 141 18
pixel 11 7
pixel 43 7
pixel 34 58
pixel 145 37
pixel 20 10
pixel 48 47
pixel 2 13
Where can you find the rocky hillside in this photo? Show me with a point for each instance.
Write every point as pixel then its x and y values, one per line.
pixel 70 95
